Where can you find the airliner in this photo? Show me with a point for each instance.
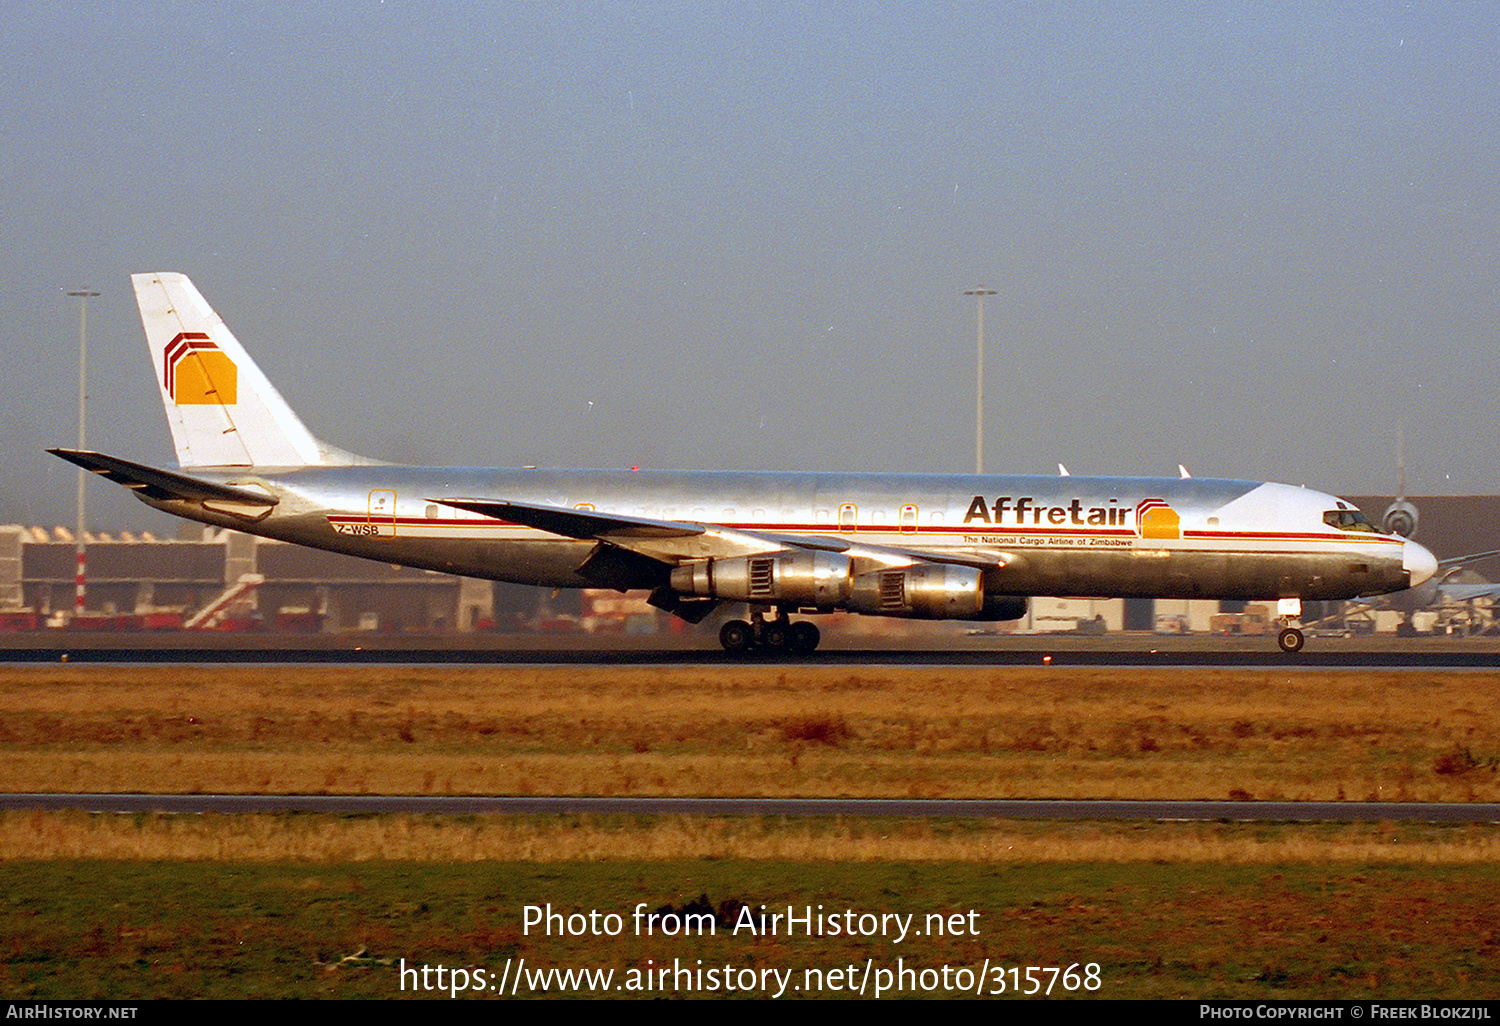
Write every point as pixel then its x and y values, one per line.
pixel 924 546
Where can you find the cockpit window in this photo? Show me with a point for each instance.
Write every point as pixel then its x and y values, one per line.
pixel 1349 520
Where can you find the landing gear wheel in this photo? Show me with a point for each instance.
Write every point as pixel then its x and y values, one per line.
pixel 775 637
pixel 805 637
pixel 736 636
pixel 1290 640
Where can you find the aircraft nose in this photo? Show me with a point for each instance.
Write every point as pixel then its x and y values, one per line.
pixel 1418 562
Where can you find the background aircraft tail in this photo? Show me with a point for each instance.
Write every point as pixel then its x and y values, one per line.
pixel 223 411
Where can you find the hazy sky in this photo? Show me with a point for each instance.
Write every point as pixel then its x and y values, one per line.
pixel 1251 238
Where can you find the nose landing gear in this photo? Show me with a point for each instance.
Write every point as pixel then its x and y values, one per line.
pixel 1290 639
pixel 1289 610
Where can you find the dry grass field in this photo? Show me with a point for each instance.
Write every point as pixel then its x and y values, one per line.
pixel 1002 732
pixel 301 905
pixel 331 839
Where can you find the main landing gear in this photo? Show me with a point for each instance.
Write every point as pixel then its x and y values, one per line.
pixel 773 637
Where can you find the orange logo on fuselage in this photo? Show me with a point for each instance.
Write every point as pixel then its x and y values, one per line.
pixel 197 372
pixel 1155 519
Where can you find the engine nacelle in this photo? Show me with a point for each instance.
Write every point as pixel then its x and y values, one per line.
pixel 802 578
pixel 825 580
pixel 1401 518
pixel 926 591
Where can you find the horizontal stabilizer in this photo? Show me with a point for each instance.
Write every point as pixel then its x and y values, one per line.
pixel 164 485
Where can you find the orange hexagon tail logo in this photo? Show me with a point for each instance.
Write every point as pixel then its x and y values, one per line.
pixel 198 373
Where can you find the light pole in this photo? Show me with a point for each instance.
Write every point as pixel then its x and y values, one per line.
pixel 82 295
pixel 979 293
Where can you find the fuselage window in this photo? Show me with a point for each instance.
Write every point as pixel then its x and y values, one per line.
pixel 908 519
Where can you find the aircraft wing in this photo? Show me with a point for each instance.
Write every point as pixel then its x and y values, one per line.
pixel 576 523
pixel 666 542
pixel 671 542
pixel 166 485
pixel 1451 592
pixel 1465 592
pixel 1458 562
pixel 633 552
pixel 895 555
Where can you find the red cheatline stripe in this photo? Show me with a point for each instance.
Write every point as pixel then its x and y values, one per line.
pixel 975 529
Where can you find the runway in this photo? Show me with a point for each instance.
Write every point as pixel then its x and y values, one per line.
pixel 1028 809
pixel 1139 650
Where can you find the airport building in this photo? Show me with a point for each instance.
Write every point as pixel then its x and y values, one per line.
pixel 144 583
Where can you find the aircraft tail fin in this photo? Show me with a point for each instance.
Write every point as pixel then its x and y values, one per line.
pixel 223 411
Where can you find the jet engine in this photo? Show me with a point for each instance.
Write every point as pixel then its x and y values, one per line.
pixel 818 579
pixel 926 591
pixel 1400 518
pixel 826 580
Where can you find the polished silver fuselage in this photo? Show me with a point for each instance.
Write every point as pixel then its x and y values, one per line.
pixel 1056 536
pixel 922 546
